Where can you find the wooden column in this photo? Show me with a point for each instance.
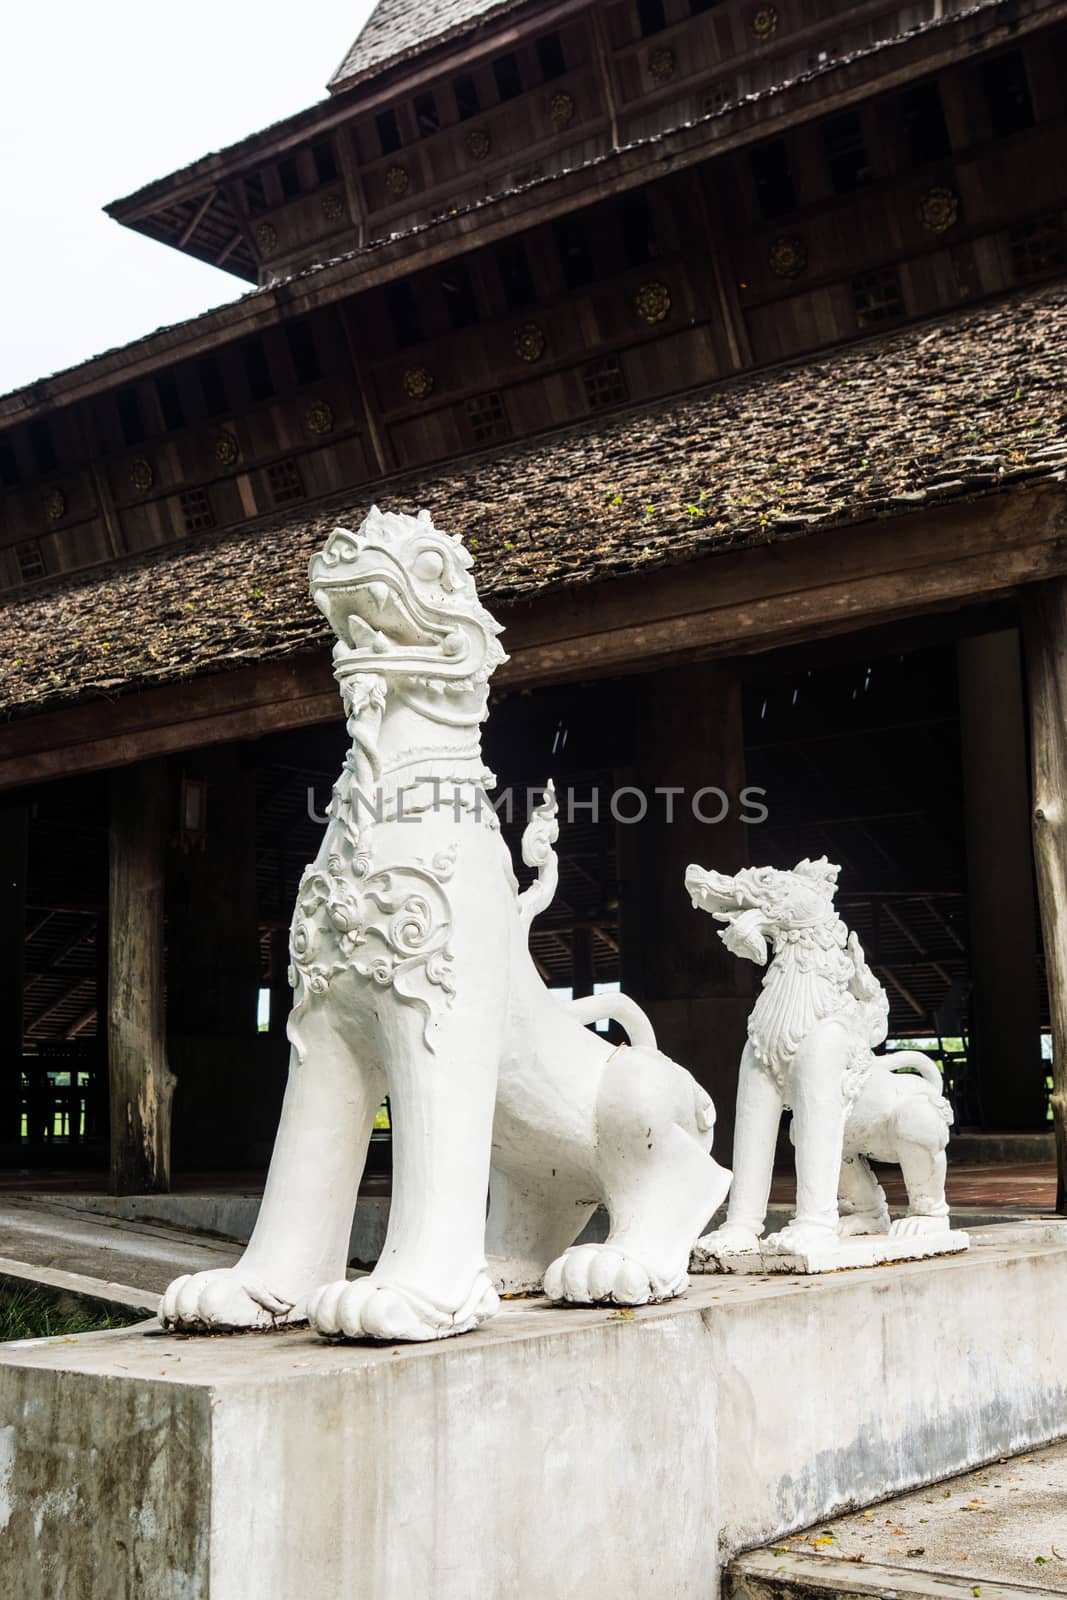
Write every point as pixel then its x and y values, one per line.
pixel 1005 1014
pixel 1045 641
pixel 141 1082
pixel 687 736
pixel 14 836
pixel 583 964
pixel 213 960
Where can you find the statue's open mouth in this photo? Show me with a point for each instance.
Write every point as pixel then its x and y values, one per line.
pixel 382 625
pixel 716 892
pixel 378 612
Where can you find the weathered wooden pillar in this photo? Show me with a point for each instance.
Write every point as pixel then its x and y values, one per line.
pixel 583 962
pixel 688 743
pixel 213 962
pixel 1005 1006
pixel 141 1082
pixel 1045 640
pixel 14 837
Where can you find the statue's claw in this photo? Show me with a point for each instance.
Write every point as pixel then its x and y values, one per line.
pixel 226 1299
pixel 597 1274
pixel 366 1309
pixel 917 1227
pixel 730 1239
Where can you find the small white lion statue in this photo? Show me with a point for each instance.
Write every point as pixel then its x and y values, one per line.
pixel 810 1048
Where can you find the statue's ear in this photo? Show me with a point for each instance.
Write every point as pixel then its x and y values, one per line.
pixel 822 872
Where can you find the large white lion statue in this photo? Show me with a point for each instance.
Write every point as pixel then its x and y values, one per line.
pixel 810 1046
pixel 412 977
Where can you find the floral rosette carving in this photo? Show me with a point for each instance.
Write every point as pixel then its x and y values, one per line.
pixel 226 450
pixel 661 64
pixel 939 209
pixel 765 23
pixel 397 181
pixel 530 341
pixel 55 505
pixel 142 475
pixel 418 383
pixel 788 257
pixel 319 417
pixel 652 302
pixel 266 237
pixel 332 206
pixel 478 144
pixel 561 109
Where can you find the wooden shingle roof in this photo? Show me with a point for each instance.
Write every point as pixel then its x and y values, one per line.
pixel 971 404
pixel 397 29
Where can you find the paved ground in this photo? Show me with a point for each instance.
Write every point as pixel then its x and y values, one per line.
pixel 1027 1186
pixel 1005 1524
pixel 138 1254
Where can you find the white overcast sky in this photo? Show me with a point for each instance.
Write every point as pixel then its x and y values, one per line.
pixel 97 97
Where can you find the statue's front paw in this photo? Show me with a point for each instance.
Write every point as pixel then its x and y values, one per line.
pixel 798 1238
pixel 730 1239
pixel 597 1274
pixel 225 1300
pixel 918 1227
pixel 368 1309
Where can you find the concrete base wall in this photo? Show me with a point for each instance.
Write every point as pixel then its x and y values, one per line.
pixel 564 1453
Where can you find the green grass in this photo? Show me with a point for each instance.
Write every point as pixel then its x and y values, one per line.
pixel 35 1314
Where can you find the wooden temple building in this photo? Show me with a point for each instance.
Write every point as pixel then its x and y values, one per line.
pixel 733 339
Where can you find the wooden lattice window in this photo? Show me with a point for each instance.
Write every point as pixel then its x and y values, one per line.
pixel 197 510
pixel 427 116
pixel 877 297
pixel 488 419
pixel 30 560
pixel 846 152
pixel 389 138
pixel 717 96
pixel 1038 245
pixel 604 383
pixel 1007 94
pixel 922 120
pixel 550 56
pixel 255 194
pixel 286 483
pixel 771 178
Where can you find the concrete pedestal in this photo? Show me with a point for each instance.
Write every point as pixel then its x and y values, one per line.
pixel 867 1250
pixel 563 1453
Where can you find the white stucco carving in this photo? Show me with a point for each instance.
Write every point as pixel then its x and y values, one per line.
pixel 811 1038
pixel 412 977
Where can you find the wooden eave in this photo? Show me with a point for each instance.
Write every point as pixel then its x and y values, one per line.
pixel 938 558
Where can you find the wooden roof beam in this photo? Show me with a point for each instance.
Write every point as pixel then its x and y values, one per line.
pixel 197 218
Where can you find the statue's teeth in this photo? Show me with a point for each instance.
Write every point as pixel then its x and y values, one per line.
pixel 379 643
pixel 379 593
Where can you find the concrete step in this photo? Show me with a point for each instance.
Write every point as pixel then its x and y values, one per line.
pixel 999 1531
pixel 141 1256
